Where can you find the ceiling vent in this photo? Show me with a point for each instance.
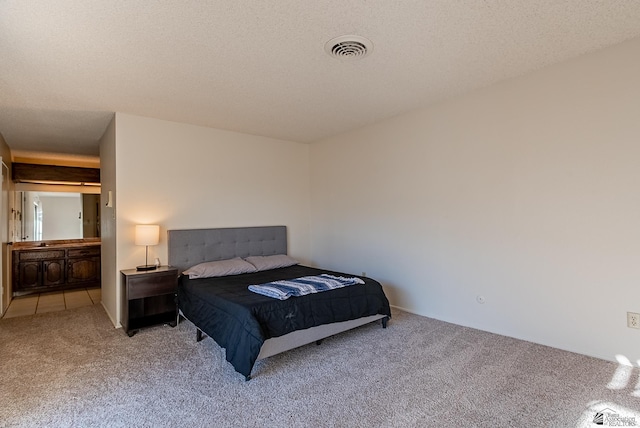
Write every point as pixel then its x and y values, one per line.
pixel 349 47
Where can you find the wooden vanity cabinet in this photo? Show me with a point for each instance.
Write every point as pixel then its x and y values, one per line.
pixel 37 270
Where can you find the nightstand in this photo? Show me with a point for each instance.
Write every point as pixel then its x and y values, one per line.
pixel 148 298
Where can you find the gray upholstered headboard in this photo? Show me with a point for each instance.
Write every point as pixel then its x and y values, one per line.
pixel 192 246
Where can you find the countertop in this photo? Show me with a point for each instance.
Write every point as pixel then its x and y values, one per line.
pixel 62 243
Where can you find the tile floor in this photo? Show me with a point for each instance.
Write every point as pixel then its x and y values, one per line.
pixel 55 301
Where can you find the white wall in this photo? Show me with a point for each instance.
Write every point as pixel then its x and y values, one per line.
pixel 527 193
pixel 109 268
pixel 183 176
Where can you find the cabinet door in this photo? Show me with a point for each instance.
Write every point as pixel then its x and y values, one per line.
pixel 83 270
pixel 28 275
pixel 52 272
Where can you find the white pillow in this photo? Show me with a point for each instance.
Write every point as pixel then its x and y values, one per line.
pixel 271 262
pixel 219 268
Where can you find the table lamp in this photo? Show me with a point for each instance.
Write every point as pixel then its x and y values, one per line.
pixel 147 234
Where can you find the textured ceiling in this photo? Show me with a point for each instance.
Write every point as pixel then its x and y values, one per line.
pixel 259 67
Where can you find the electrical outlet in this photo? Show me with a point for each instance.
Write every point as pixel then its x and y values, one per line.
pixel 633 320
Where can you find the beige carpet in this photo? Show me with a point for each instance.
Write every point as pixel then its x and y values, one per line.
pixel 72 368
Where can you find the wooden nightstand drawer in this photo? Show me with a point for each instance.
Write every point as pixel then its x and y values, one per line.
pixel 151 285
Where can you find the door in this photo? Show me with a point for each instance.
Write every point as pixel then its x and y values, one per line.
pixel 83 270
pixel 29 275
pixel 52 272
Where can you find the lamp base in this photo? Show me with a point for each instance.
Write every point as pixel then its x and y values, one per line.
pixel 145 267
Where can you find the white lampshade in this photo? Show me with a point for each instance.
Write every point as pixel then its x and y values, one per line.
pixel 147 234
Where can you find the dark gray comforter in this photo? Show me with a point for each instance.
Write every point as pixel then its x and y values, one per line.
pixel 240 321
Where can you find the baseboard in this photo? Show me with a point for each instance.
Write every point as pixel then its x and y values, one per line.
pixel 407 310
pixel 115 323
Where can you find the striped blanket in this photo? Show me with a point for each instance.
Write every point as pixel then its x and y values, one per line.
pixel 301 286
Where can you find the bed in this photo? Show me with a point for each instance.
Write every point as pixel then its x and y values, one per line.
pixel 251 326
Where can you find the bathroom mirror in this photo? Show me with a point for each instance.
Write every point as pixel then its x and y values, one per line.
pixel 43 216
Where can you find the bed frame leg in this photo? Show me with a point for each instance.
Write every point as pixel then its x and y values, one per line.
pixel 319 342
pixel 176 321
pixel 385 320
pixel 199 335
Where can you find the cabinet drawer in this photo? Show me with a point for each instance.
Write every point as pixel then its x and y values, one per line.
pixel 151 285
pixel 84 252
pixel 40 255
